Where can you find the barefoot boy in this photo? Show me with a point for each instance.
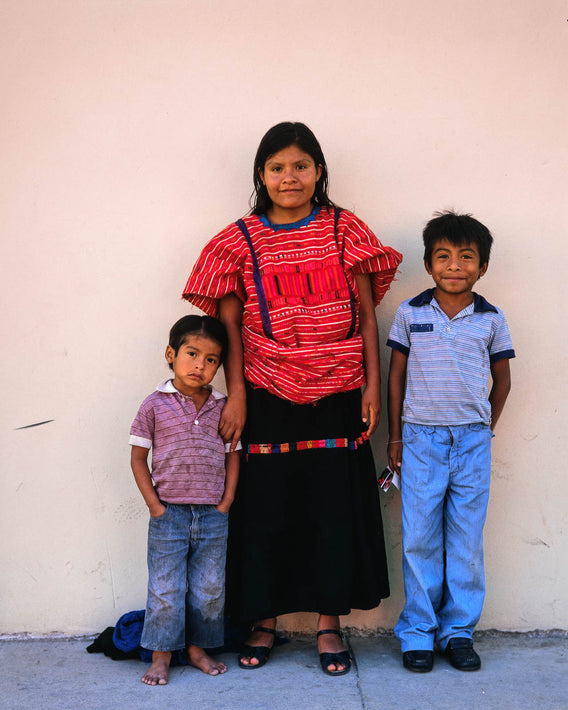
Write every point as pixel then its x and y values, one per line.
pixel 188 493
pixel 445 343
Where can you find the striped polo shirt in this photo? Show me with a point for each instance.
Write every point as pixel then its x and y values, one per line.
pixel 188 454
pixel 449 360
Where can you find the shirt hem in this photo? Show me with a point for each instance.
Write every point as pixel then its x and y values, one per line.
pixel 479 420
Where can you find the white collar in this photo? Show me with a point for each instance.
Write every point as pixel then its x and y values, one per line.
pixel 168 387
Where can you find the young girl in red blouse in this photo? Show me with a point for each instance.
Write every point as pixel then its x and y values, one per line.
pixel 296 284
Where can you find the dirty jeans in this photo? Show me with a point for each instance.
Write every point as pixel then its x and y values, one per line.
pixel 445 478
pixel 186 578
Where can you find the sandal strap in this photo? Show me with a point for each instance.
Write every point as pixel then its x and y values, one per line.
pixel 338 657
pixel 264 630
pixel 330 631
pixel 255 651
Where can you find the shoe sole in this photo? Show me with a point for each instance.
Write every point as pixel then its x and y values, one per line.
pixel 417 669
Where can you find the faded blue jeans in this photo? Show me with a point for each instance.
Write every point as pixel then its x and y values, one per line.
pixel 187 548
pixel 445 477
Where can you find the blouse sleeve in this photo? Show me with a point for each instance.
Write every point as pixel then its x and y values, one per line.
pixel 363 253
pixel 217 272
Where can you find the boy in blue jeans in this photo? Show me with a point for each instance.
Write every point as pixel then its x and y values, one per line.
pixel 188 488
pixel 445 342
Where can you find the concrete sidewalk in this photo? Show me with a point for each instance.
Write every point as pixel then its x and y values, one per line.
pixel 519 672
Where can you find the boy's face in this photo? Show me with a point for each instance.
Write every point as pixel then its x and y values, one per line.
pixel 455 269
pixel 195 364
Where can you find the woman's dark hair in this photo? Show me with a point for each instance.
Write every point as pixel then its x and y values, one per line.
pixel 459 230
pixel 199 325
pixel 277 138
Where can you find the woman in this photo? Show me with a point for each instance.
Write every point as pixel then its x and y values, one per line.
pixel 296 283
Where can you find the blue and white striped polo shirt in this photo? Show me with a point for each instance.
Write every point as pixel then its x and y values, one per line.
pixel 447 376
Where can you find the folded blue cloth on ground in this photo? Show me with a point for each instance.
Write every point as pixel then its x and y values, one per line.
pixel 128 632
pixel 123 641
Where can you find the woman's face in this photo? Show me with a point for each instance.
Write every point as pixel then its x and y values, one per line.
pixel 290 177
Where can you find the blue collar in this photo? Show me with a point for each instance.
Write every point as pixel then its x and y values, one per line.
pixel 293 225
pixel 480 305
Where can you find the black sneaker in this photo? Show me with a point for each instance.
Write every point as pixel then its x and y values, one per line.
pixel 462 656
pixel 418 661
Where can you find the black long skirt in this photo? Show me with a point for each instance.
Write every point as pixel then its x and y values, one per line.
pixel 305 531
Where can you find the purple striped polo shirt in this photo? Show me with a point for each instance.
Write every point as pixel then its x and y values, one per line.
pixel 188 454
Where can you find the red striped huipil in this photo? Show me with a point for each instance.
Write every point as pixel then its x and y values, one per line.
pixel 308 273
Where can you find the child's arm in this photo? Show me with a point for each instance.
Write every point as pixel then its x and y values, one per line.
pixel 141 471
pixel 501 374
pixel 234 412
pixel 397 380
pixel 371 399
pixel 231 479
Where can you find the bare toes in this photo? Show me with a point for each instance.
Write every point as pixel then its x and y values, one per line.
pixel 199 659
pixel 220 668
pixel 154 680
pixel 249 660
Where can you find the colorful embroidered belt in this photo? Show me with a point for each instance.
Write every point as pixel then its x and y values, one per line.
pixel 309 444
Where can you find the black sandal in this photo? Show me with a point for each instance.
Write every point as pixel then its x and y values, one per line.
pixel 262 653
pixel 339 657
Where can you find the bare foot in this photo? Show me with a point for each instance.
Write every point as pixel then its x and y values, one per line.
pixel 330 643
pixel 157 674
pixel 259 638
pixel 198 658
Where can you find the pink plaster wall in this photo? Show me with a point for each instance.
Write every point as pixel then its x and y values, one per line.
pixel 128 131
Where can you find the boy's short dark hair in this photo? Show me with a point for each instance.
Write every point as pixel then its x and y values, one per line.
pixel 458 229
pixel 199 325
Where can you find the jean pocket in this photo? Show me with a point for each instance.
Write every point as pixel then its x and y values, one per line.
pixel 411 432
pixel 481 427
pixel 159 517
